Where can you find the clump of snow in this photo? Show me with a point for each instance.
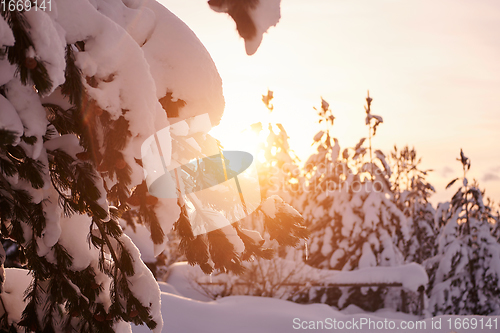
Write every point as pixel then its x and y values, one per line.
pixel 16 282
pixel 269 206
pixel 206 220
pixel 141 238
pixel 68 143
pixel 254 235
pixel 52 211
pixel 143 284
pixel 72 230
pixel 6 36
pixel 265 15
pixel 181 65
pixel 138 20
pixel 275 204
pixel 49 44
pixel 32 114
pixel 233 237
pixel 168 213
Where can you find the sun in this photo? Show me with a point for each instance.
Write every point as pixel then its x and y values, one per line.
pixel 243 126
pixel 250 139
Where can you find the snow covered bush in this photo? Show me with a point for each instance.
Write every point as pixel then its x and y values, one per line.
pixel 465 273
pixel 299 282
pixel 83 84
pixel 276 278
pixel 349 211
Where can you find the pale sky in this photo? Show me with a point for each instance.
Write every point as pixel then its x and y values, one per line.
pixel 432 68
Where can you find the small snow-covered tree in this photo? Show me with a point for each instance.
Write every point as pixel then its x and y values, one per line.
pixel 276 162
pixel 411 193
pixel 278 171
pixel 347 206
pixel 465 273
pixel 83 84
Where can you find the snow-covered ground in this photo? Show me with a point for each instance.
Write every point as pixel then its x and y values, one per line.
pixel 186 309
pixel 250 314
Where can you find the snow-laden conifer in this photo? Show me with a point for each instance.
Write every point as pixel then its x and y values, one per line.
pixel 82 86
pixel 465 273
pixel 349 210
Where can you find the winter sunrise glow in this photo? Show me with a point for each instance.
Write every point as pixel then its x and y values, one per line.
pixel 431 67
pixel 356 184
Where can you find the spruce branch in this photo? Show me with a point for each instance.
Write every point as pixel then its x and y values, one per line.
pixel 73 86
pixel 104 236
pixel 28 68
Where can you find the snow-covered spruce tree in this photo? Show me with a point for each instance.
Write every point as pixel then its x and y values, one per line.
pixel 411 193
pixel 465 273
pixel 82 85
pixel 85 273
pixel 347 206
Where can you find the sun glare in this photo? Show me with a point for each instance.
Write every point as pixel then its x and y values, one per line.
pixel 249 140
pixel 246 129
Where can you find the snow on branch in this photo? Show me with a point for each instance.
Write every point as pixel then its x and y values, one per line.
pixel 253 18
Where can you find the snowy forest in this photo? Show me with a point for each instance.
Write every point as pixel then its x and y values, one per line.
pixel 121 212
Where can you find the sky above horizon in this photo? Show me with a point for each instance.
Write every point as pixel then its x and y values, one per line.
pixel 431 67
